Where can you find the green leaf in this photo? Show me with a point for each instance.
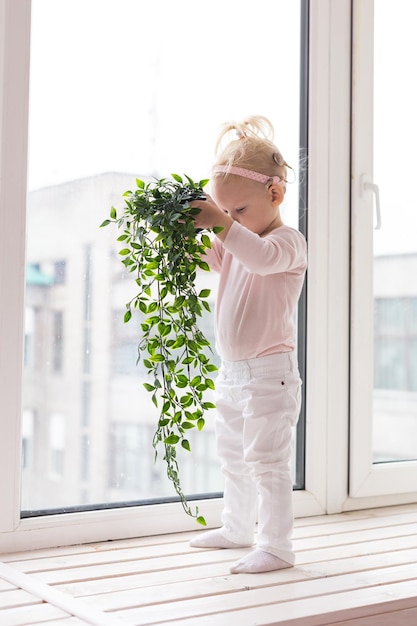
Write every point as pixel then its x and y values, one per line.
pixel 204 293
pixel 200 520
pixel 127 316
pixel 157 358
pixel 179 342
pixel 177 178
pixel 140 183
pixel 190 180
pixel 171 440
pixel 186 445
pixel 200 423
pixel 167 330
pixel 113 213
pixel 206 241
pixel 105 223
pixel 124 252
pixel 178 302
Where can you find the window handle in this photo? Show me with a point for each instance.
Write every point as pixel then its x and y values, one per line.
pixel 368 185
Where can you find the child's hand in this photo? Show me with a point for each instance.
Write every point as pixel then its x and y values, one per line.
pixel 211 215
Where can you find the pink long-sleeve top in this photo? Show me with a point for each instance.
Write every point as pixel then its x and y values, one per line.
pixel 260 283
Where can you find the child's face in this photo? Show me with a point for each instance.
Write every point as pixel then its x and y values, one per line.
pixel 249 203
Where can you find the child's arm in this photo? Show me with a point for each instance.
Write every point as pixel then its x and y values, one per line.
pixel 282 250
pixel 211 215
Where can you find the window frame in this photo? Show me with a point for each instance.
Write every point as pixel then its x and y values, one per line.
pixel 367 479
pixel 14 93
pixel 327 298
pixel 17 533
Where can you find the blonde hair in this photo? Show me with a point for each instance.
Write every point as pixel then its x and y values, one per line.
pixel 252 148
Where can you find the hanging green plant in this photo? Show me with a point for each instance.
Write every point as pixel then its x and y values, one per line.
pixel 163 250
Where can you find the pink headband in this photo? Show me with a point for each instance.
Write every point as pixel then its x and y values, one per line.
pixel 240 171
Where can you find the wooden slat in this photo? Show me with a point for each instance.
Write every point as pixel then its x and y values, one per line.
pixel 16 597
pixel 357 537
pixel 25 616
pixel 223 558
pixel 88 548
pixel 304 527
pixel 67 621
pixel 407 617
pixel 53 598
pixel 352 569
pixel 237 591
pixel 199 600
pixel 5 585
pixel 319 611
pixel 317 570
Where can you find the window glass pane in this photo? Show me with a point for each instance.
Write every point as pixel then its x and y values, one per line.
pixel 123 89
pixel 395 244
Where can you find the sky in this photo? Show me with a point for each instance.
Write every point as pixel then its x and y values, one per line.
pixel 143 87
pixel 395 125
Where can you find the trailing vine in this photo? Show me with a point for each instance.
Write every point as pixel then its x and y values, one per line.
pixel 163 250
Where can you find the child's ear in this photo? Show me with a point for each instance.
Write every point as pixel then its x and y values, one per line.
pixel 276 193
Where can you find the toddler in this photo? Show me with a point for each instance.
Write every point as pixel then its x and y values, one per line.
pixel 261 263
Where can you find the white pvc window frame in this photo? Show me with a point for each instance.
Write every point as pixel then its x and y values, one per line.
pixel 17 533
pixel 327 404
pixel 367 479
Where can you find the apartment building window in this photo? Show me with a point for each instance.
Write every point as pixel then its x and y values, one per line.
pixel 125 344
pixel 30 337
pixel 60 272
pixel 85 458
pixel 57 444
pixel 58 341
pixel 396 343
pixel 129 471
pixel 28 428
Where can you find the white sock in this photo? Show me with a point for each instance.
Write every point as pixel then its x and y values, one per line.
pixel 258 561
pixel 215 539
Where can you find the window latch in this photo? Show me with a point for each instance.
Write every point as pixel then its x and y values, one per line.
pixel 368 185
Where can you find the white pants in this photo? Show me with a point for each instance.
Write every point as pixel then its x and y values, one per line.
pixel 258 403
